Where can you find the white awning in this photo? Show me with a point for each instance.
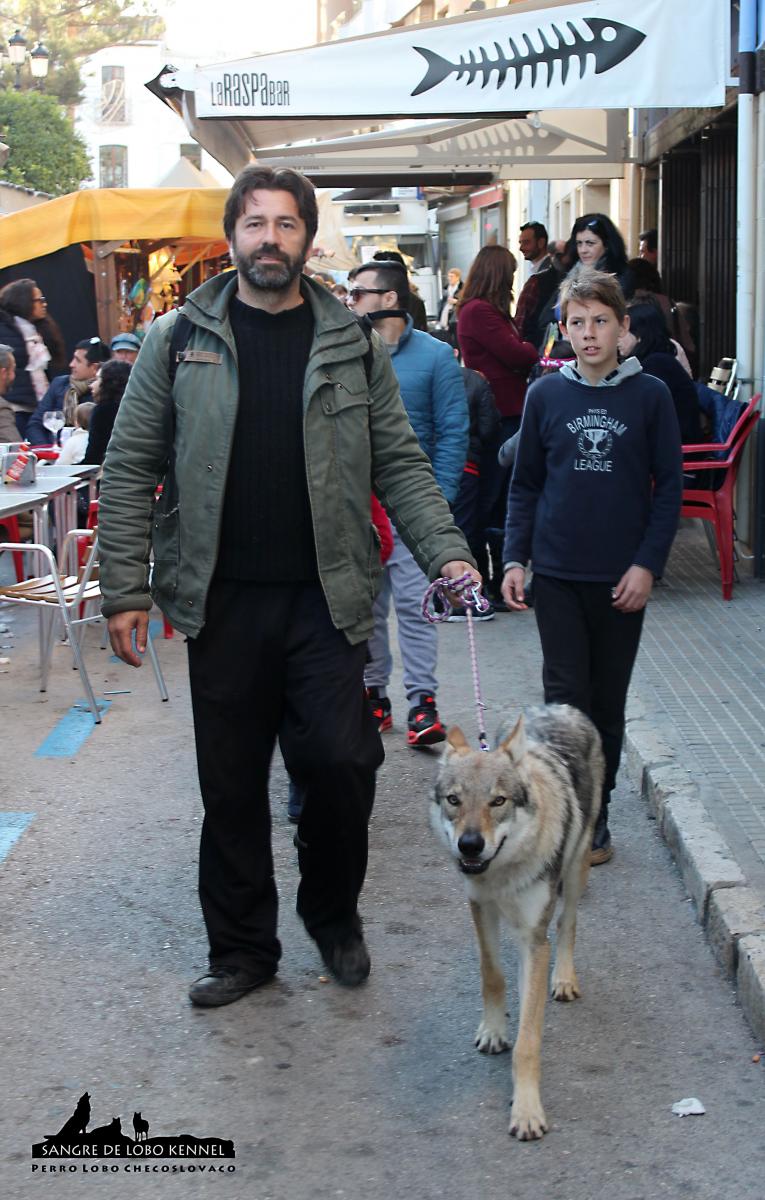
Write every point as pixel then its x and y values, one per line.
pixel 532 91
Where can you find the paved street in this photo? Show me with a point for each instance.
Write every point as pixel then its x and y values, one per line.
pixel 356 1094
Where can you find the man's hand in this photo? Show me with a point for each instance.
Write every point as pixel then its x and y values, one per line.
pixel 121 627
pixel 512 588
pixel 455 570
pixel 633 589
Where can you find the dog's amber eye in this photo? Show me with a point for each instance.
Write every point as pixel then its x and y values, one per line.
pixel 497 801
pixel 453 800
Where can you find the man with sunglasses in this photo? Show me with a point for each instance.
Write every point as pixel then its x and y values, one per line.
pixel 434 397
pixel 270 426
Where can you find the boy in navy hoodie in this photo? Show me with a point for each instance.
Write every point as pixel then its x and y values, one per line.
pixel 594 504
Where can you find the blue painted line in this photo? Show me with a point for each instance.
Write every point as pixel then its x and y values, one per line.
pixel 74 728
pixel 12 825
pixel 155 628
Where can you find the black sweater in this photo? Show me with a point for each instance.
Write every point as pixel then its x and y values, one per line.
pixel 666 368
pixel 597 481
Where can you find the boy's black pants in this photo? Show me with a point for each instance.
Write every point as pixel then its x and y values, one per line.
pixel 269 663
pixel 589 650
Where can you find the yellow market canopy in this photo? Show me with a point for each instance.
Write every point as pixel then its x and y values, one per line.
pixel 113 215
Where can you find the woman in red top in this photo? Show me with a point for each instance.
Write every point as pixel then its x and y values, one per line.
pixel 489 342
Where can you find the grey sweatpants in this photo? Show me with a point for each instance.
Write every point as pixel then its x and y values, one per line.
pixel 418 641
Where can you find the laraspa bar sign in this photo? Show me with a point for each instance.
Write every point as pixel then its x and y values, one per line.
pixel 601 54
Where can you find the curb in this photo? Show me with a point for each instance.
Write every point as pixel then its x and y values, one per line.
pixel 731 913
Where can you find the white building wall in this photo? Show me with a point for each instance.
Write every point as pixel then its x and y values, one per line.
pixel 152 133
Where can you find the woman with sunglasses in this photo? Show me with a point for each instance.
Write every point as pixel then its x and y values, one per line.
pixel 24 324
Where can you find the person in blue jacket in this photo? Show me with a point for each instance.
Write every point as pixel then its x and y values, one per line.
pixel 435 400
pixel 594 503
pixel 67 391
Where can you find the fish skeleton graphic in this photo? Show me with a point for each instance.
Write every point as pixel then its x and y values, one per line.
pixel 610 44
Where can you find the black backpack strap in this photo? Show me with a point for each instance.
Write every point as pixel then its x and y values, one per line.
pixel 178 342
pixel 365 325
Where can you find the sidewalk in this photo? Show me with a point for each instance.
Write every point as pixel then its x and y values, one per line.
pixel 696 749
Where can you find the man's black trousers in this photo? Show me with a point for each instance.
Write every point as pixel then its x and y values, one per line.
pixel 589 650
pixel 270 664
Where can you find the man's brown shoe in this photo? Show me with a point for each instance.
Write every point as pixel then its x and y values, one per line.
pixel 602 850
pixel 224 985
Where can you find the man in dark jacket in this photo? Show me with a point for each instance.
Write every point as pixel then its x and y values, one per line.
pixel 67 391
pixel 271 424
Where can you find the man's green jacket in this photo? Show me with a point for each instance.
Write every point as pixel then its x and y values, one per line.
pixel 357 439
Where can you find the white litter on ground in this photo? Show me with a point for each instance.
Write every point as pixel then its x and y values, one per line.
pixel 690 1107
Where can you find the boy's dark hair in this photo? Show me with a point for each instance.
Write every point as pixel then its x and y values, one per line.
pixel 651 239
pixel 266 179
pixel 389 275
pixel 389 256
pixel 537 228
pixel 587 285
pixel 96 351
pixel 650 328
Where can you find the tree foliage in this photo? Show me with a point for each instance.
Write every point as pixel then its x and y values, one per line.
pixel 73 29
pixel 45 152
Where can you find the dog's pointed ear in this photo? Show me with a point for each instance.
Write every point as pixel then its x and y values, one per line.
pixel 515 742
pixel 456 742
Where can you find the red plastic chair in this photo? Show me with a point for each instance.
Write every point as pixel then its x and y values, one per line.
pixel 717 506
pixel 11 526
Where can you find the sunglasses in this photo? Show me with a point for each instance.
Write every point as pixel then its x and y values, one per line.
pixel 40 300
pixel 357 292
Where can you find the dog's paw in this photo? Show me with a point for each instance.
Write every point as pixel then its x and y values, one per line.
pixel 528 1122
pixel 566 989
pixel 491 1039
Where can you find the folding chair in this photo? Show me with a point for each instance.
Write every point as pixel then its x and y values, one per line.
pixel 68 597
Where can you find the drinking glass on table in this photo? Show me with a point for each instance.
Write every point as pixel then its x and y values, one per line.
pixel 53 422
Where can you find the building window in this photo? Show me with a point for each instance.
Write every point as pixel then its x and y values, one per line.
pixel 112 171
pixel 192 152
pixel 113 107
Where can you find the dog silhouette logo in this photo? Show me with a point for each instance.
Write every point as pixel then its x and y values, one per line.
pixel 75 1140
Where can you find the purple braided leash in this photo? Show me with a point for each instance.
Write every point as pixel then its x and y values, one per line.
pixel 471 598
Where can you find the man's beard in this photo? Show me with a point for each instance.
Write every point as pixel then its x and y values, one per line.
pixel 268 277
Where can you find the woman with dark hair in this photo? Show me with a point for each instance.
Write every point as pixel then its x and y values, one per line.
pixel 646 284
pixel 648 340
pixel 22 305
pixel 490 343
pixel 107 390
pixel 596 242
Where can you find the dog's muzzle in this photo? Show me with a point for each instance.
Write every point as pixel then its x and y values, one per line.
pixel 471 846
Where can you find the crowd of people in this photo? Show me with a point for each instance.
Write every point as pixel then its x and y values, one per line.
pixel 347 421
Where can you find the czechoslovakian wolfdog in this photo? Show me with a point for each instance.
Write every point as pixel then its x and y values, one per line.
pixel 518 821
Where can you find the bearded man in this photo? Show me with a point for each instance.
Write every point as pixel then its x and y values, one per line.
pixel 277 421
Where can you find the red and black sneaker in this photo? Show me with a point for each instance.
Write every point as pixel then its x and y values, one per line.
pixel 381 710
pixel 424 724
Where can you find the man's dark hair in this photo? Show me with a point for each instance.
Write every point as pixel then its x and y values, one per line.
pixel 540 233
pixel 265 179
pixel 389 275
pixel 651 239
pixel 96 350
pixel 389 256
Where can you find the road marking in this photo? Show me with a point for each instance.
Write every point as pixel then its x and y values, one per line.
pixel 12 825
pixel 74 728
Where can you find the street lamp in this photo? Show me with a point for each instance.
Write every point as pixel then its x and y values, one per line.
pixel 38 61
pixel 17 50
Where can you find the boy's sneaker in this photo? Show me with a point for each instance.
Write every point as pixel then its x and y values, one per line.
pixel 459 614
pixel 381 709
pixel 424 724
